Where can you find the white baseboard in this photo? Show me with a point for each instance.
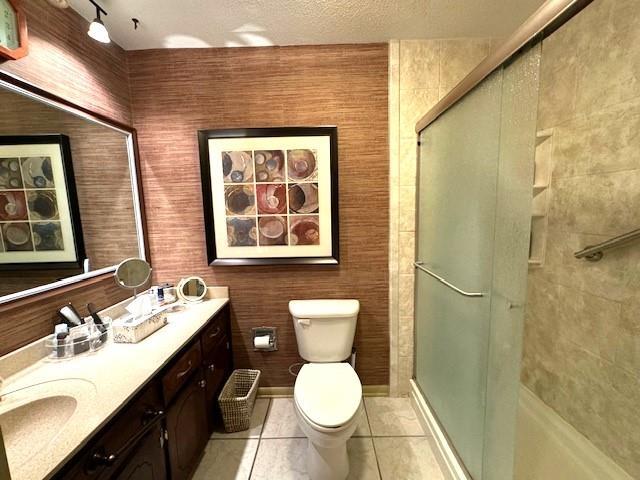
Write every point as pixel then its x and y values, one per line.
pixel 448 458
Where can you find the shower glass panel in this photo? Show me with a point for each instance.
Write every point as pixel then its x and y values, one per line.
pixel 474 204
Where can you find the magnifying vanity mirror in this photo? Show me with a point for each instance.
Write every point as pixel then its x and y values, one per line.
pixel 191 289
pixel 133 273
pixel 61 221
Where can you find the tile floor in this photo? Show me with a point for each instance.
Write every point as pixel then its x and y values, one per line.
pixel 389 443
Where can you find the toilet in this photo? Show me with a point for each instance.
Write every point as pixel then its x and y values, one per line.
pixel 327 392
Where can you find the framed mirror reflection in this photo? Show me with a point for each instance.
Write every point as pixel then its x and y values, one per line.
pixel 70 199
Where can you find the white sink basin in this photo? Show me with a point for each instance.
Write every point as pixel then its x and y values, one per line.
pixel 33 417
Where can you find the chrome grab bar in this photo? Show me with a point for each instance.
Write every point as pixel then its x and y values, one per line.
pixel 419 266
pixel 593 253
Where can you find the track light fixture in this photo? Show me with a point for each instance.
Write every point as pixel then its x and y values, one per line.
pixel 97 30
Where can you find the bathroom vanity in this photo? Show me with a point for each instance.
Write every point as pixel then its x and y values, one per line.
pixel 141 410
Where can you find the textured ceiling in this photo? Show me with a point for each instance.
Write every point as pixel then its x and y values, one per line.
pixel 236 23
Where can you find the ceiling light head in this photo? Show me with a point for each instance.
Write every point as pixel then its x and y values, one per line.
pixel 97 30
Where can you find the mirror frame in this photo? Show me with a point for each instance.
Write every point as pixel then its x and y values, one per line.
pixel 19 86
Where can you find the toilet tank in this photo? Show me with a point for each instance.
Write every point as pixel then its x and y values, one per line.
pixel 324 328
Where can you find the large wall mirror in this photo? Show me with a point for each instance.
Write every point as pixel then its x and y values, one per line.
pixel 69 195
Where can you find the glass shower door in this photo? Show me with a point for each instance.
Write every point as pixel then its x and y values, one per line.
pixel 474 200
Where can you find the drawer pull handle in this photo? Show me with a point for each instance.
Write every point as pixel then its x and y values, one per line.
pixel 215 334
pixel 102 459
pixel 212 367
pixel 202 383
pixel 184 372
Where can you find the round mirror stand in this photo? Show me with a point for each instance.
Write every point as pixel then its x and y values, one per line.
pixel 133 273
pixel 191 289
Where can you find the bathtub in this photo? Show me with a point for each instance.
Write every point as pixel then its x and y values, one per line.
pixel 547 447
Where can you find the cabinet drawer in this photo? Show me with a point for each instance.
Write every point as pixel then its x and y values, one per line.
pixel 180 372
pixel 212 334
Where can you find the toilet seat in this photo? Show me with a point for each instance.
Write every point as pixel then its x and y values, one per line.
pixel 328 394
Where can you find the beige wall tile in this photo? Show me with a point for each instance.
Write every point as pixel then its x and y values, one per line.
pixel 405 297
pixel 458 58
pixel 414 104
pixel 406 346
pixel 597 204
pixel 407 251
pixel 419 64
pixel 408 160
pixel 407 220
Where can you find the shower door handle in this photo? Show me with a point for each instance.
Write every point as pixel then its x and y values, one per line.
pixel 420 266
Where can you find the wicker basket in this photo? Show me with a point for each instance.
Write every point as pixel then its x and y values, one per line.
pixel 237 398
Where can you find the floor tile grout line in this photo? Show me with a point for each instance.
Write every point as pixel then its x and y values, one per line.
pixel 255 456
pixel 373 444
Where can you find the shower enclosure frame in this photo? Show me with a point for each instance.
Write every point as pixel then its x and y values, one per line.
pixel 547 19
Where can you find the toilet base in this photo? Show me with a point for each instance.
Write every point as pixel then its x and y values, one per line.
pixel 327 463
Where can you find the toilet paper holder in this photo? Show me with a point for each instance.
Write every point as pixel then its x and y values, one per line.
pixel 264 331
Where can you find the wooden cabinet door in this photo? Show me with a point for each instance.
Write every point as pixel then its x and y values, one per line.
pixel 147 462
pixel 216 367
pixel 187 429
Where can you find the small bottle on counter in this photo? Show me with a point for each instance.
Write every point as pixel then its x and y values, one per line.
pixel 62 333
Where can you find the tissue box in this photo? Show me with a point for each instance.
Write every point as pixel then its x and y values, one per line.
pixel 131 329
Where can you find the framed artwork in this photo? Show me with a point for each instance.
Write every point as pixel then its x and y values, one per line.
pixel 39 216
pixel 270 195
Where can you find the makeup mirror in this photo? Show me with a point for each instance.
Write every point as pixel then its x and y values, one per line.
pixel 133 273
pixel 191 289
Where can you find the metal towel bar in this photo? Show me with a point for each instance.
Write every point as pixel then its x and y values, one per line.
pixel 419 266
pixel 593 253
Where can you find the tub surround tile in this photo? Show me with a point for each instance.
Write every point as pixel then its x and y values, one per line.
pixel 580 352
pixel 557 102
pixel 281 420
pixel 408 458
pixel 227 460
pixel 392 417
pixel 256 424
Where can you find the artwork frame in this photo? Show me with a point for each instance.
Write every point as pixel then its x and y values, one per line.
pixel 51 202
pixel 289 186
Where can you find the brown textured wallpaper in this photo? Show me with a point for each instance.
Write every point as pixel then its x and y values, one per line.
pixel 66 62
pixel 177 92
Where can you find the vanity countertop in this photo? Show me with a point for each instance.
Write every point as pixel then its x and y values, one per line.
pixel 102 383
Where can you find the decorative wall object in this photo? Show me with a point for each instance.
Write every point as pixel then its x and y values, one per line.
pixel 14 43
pixel 270 195
pixel 39 216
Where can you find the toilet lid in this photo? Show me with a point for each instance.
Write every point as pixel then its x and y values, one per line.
pixel 329 394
